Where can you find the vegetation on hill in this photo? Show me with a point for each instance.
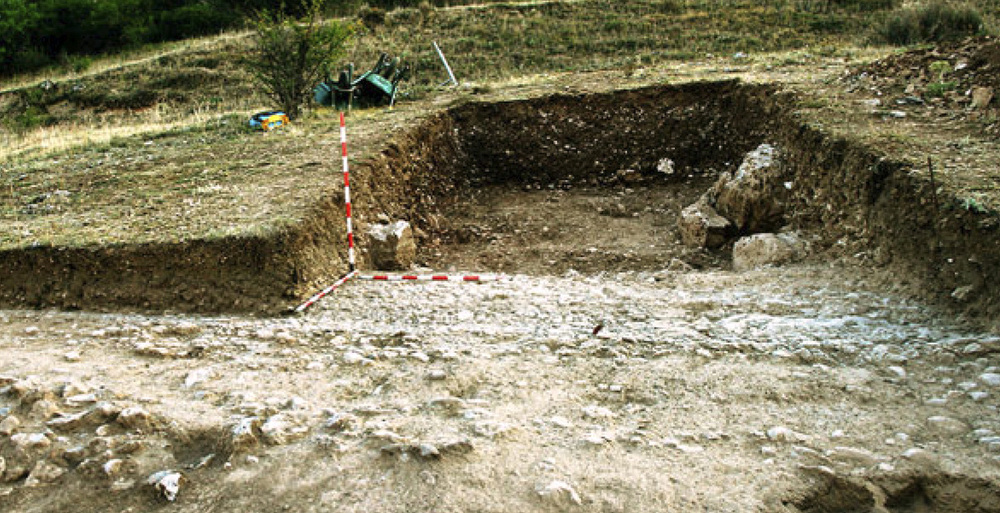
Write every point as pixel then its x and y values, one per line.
pixel 91 130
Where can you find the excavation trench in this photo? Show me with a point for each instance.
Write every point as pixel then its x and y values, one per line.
pixel 590 182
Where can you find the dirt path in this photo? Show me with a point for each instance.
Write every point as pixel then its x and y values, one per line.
pixel 704 391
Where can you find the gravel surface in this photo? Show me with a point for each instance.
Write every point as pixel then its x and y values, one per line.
pixel 667 391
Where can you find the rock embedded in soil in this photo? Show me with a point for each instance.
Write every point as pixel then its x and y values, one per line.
pixel 25 441
pixel 134 417
pixel 167 483
pixel 244 433
pixel 559 493
pixel 990 378
pixel 391 247
pixel 43 472
pixel 9 425
pixel 947 425
pixel 767 249
pixel 701 226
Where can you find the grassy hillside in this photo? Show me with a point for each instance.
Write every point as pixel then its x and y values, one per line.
pixel 152 146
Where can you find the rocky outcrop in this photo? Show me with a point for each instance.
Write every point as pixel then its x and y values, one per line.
pixel 752 198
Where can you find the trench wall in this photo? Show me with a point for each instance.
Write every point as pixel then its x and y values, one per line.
pixel 842 191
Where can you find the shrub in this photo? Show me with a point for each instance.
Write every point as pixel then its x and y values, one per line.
pixel 934 22
pixel 291 55
pixel 938 89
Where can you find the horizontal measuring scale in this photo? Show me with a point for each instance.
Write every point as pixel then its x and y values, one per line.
pixel 431 277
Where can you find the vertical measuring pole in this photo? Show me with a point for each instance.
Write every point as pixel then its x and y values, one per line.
pixel 347 195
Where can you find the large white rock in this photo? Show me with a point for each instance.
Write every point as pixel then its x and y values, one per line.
pixel 752 198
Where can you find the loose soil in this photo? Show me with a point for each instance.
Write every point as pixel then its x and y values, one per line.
pixel 618 370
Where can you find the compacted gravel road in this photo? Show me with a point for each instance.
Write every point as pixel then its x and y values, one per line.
pixel 796 389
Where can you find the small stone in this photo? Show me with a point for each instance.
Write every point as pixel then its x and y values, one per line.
pixel 32 330
pixel 898 371
pixel 30 441
pixel 920 456
pixel 68 422
pixel 784 434
pixel 491 428
pixel 134 417
pixel 598 438
pixel 198 376
pixel 122 485
pixel 561 422
pixel 990 378
pixel 429 451
pixel 947 425
pixel 244 433
pixel 853 455
pixel 973 348
pixel 559 493
pixel 978 395
pixel 72 356
pixel 9 425
pixel 44 409
pixel 167 483
pixel 353 358
pixel 112 467
pixel 43 472
pixel 420 356
pixel 597 412
pixel 79 399
pixel 280 429
pixel 437 375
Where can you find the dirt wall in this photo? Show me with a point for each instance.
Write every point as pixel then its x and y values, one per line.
pixel 877 211
pixel 853 198
pixel 202 276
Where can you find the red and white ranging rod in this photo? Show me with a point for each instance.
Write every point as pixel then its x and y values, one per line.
pixel 325 291
pixel 347 195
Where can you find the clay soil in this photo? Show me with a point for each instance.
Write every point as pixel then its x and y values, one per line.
pixel 615 370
